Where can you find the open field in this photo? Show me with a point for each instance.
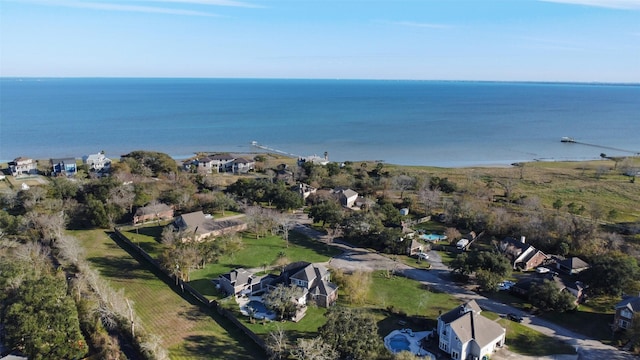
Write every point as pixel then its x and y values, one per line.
pixel 187 330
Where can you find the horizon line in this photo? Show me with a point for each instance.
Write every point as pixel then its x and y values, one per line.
pixel 585 82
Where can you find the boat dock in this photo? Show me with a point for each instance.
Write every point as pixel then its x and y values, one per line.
pixel 574 141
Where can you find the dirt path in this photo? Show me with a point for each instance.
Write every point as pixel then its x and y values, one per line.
pixel 354 258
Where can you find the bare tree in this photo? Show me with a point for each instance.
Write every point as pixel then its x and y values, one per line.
pixel 277 344
pixel 403 183
pixel 314 349
pixel 429 198
pixel 285 223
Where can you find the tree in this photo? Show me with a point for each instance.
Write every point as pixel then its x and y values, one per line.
pixel 357 286
pixel 350 331
pixel 42 321
pixel 282 300
pixel 314 349
pixel 327 212
pixel 611 274
pixel 403 183
pixel 429 198
pixel 488 280
pixel 546 296
pixel 277 344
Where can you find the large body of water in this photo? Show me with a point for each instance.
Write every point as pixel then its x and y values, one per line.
pixel 401 122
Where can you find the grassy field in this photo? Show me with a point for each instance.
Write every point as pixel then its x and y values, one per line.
pixel 187 330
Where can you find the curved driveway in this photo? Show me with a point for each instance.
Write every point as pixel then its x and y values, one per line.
pixel 437 277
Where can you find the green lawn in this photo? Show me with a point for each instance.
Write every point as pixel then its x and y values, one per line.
pixel 523 340
pixel 187 330
pixel 262 254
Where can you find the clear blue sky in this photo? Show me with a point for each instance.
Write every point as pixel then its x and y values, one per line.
pixel 553 40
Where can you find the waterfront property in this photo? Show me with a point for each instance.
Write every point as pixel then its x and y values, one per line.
pixel 463 333
pixel 64 167
pixel 23 166
pixel 97 162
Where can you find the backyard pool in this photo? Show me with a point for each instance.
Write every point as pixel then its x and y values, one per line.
pixel 256 307
pixel 398 343
pixel 432 237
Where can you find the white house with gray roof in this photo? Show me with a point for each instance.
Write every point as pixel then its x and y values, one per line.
pixel 465 334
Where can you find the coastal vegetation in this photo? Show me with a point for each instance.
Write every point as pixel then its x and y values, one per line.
pixel 585 209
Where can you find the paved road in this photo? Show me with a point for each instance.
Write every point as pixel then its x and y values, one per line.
pixel 354 258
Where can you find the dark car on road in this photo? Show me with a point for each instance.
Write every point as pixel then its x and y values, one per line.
pixel 514 317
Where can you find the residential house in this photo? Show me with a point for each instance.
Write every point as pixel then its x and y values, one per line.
pixel 243 166
pixel 242 282
pixel 305 190
pixel 314 159
pixel 223 162
pixel 154 211
pixel 23 166
pixel 415 248
pixel 197 226
pixel 575 288
pixel 572 265
pixel 64 167
pixel 315 280
pixel 97 162
pixel 523 256
pixel 206 165
pixel 347 197
pixel 625 311
pixel 465 334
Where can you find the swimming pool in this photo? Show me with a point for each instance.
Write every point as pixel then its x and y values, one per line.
pixel 398 343
pixel 432 237
pixel 257 306
pixel 257 309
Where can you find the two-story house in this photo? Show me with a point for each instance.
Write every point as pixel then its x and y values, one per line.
pixel 347 197
pixel 465 334
pixel 64 167
pixel 242 165
pixel 523 256
pixel 222 162
pixel 315 280
pixel 242 282
pixel 97 162
pixel 23 166
pixel 625 311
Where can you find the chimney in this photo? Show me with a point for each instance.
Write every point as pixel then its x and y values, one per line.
pixel 522 239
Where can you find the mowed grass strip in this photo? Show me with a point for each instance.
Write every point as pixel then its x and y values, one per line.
pixel 187 330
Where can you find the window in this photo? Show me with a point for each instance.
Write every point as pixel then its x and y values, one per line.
pixel 443 345
pixel 626 313
pixel 455 355
pixel 623 324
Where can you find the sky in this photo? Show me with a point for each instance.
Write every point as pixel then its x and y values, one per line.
pixel 506 40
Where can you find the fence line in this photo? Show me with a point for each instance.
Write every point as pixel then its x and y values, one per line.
pixel 191 290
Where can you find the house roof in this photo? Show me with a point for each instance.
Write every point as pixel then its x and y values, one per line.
pixel 238 276
pixel 242 161
pixel 631 302
pixel 473 326
pixel 64 160
pixel 191 220
pixel 459 311
pixel 204 160
pixel 222 157
pixel 573 263
pixel 153 209
pixel 324 288
pixel 310 272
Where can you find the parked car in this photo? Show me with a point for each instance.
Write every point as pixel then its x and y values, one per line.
pixel 505 285
pixel 514 317
pixel 423 256
pixel 542 270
